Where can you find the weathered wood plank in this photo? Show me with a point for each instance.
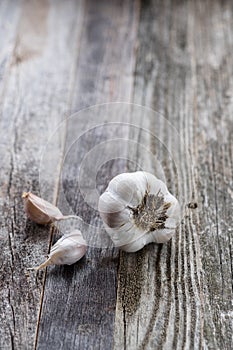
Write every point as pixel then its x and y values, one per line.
pixel 9 13
pixel 69 55
pixel 34 98
pixel 212 72
pixel 82 297
pixel 178 295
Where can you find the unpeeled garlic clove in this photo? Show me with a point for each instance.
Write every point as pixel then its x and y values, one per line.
pixel 66 251
pixel 41 211
pixel 137 209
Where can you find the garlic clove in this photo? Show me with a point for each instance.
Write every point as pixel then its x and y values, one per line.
pixel 143 210
pixel 162 236
pixel 67 250
pixel 155 185
pixel 128 187
pixel 124 234
pixel 41 211
pixel 111 203
pixel 138 243
pixel 119 212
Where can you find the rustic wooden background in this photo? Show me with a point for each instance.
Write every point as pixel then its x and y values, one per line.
pixel 57 57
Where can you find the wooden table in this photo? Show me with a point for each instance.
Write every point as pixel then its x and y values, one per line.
pixel 173 57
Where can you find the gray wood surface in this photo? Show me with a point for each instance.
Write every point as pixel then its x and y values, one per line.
pixel 173 57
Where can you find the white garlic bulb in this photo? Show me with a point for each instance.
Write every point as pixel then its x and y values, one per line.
pixel 138 209
pixel 41 211
pixel 67 250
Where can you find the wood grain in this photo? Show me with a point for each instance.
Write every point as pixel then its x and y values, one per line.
pixel 175 58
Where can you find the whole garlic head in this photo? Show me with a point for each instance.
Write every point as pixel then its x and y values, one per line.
pixel 138 209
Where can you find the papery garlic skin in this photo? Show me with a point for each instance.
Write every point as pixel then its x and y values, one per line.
pixel 41 211
pixel 137 209
pixel 67 250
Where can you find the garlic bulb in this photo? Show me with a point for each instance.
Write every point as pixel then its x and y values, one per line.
pixel 67 250
pixel 41 211
pixel 137 209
